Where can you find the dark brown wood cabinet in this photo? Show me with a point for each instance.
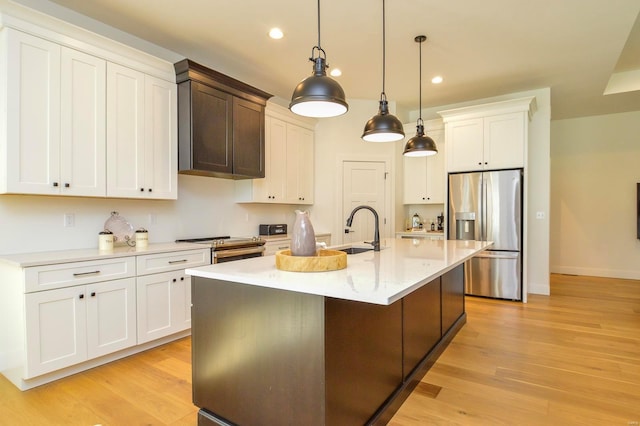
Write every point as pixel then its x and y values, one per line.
pixel 220 124
pixel 421 324
pixel 452 284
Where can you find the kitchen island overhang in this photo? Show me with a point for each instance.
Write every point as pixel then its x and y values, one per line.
pixel 277 347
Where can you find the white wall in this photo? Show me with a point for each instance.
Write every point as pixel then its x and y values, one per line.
pixel 595 166
pixel 205 207
pixel 338 139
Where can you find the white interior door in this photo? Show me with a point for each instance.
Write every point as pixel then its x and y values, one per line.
pixel 364 184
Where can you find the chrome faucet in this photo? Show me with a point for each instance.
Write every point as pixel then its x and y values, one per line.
pixel 376 236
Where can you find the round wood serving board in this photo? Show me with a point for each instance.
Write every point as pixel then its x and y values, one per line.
pixel 326 260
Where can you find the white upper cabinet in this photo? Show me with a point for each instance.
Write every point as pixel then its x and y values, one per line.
pixel 272 187
pixel 289 163
pixel 141 135
pixel 83 121
pixel 424 177
pixel 299 165
pixel 488 137
pixel 66 97
pixel 55 138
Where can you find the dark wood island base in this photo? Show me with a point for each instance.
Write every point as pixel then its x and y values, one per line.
pixel 264 356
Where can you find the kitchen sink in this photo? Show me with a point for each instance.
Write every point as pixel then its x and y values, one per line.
pixel 356 250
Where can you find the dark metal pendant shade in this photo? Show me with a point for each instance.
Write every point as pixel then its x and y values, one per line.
pixel 318 95
pixel 383 127
pixel 420 145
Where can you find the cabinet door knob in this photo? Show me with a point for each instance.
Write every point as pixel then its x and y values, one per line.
pixel 141 189
pixel 81 296
pixel 150 189
pixel 174 280
pixel 181 278
pixel 480 163
pixel 486 162
pixel 66 185
pixel 55 183
pixel 93 294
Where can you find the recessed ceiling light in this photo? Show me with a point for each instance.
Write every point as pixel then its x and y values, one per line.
pixel 437 79
pixel 336 72
pixel 276 33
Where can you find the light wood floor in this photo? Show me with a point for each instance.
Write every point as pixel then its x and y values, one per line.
pixel 572 358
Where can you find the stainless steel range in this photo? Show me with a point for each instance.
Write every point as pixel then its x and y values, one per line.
pixel 227 249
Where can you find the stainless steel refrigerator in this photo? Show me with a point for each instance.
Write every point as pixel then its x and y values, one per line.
pixel 487 206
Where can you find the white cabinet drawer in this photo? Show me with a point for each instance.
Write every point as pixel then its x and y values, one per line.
pixel 164 262
pixel 48 277
pixel 271 247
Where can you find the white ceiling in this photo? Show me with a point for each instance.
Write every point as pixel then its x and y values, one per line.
pixel 481 48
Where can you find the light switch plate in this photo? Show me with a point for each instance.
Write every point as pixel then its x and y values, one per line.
pixel 69 220
pixel 539 215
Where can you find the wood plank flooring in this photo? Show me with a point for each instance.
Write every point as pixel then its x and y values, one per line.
pixel 569 358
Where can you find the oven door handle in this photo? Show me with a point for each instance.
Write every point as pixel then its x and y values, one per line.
pixel 221 254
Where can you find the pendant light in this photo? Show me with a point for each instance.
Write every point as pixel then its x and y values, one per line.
pixel 420 145
pixel 383 127
pixel 318 95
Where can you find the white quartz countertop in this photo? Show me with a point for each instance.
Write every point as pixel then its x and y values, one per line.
pixel 399 268
pixel 25 260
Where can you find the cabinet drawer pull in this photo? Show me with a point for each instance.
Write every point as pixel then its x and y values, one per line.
pixel 283 247
pixel 81 274
pixel 171 262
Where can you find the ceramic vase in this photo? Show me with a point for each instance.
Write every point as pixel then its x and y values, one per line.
pixel 303 238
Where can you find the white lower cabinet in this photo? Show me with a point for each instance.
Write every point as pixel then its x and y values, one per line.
pixel 164 305
pixel 164 292
pixel 67 326
pixel 61 316
pixel 271 247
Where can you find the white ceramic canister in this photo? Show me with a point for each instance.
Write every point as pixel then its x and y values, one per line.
pixel 142 238
pixel 105 240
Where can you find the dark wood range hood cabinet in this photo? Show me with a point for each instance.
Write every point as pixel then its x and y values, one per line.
pixel 220 124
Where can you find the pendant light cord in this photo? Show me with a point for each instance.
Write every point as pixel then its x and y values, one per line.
pixel 384 59
pixel 319 25
pixel 420 84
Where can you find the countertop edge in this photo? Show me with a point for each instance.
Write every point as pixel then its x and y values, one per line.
pixel 26 260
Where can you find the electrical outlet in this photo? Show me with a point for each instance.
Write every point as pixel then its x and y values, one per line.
pixel 539 215
pixel 69 220
pixel 153 218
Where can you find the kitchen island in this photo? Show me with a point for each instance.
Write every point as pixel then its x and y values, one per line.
pixel 331 348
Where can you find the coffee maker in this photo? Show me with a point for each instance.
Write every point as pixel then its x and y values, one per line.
pixel 441 222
